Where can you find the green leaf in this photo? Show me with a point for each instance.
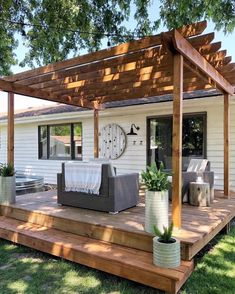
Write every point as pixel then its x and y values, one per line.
pixel 155 179
pixel 166 235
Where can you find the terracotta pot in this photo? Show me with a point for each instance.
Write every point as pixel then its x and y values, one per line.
pixel 166 254
pixel 156 210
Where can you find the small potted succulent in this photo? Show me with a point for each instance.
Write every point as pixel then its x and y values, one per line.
pixel 7 184
pixel 156 197
pixel 166 249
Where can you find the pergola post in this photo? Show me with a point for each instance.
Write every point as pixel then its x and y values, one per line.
pixel 96 133
pixel 177 139
pixel 226 144
pixel 10 130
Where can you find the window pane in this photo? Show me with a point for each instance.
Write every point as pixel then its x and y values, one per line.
pixel 193 141
pixel 77 138
pixel 43 142
pixel 160 141
pixel 60 141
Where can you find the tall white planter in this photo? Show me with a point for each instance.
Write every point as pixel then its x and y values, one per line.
pixel 166 254
pixel 7 190
pixel 156 210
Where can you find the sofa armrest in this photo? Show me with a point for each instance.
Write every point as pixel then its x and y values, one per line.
pixel 124 190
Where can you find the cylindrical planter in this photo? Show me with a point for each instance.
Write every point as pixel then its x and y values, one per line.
pixel 166 254
pixel 156 210
pixel 7 190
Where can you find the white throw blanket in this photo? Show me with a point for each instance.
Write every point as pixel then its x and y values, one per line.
pixel 83 177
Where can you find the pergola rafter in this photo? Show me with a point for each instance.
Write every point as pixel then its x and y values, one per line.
pixel 182 60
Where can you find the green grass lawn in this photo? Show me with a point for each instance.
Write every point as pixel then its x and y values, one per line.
pixel 23 270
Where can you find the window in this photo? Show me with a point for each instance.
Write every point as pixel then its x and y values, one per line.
pixel 43 142
pixel 60 141
pixel 160 139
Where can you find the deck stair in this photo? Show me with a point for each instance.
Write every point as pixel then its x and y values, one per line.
pixel 122 261
pixel 115 244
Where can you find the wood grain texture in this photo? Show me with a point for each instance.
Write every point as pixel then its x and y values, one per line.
pixel 100 255
pixel 131 70
pixel 199 224
pixel 10 130
pixel 226 145
pixel 96 133
pixel 118 64
pixel 40 94
pixel 186 31
pixel 190 53
pixel 177 140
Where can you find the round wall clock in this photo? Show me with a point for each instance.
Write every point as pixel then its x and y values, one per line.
pixel 112 141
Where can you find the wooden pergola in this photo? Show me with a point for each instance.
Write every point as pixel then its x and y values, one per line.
pixel 173 62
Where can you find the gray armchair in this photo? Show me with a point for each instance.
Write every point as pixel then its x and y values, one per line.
pixel 117 192
pixel 194 169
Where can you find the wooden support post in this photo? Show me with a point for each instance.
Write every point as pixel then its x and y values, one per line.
pixel 10 131
pixel 226 144
pixel 96 133
pixel 177 140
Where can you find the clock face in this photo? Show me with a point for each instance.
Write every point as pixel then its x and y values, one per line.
pixel 112 141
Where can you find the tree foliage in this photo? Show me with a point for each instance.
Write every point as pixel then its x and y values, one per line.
pixel 54 30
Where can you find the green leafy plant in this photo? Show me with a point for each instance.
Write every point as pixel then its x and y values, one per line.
pixel 7 170
pixel 166 236
pixel 155 179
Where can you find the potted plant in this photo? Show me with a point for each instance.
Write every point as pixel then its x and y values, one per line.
pixel 166 249
pixel 7 184
pixel 156 197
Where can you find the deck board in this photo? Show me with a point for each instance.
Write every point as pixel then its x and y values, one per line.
pixel 86 236
pixel 199 224
pixel 126 262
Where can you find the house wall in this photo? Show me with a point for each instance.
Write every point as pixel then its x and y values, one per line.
pixel 134 157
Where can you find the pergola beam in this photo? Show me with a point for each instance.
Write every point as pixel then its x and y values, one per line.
pixel 138 67
pixel 40 94
pixel 132 46
pixel 142 92
pixel 123 62
pixel 196 72
pixel 138 90
pixel 191 54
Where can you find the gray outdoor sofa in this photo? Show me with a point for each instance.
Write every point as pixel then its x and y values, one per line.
pixel 117 192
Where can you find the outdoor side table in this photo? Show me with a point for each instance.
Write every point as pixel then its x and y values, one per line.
pixel 199 194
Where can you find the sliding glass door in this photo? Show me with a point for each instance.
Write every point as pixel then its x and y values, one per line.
pixel 160 139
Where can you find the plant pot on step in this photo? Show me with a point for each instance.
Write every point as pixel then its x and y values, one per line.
pixel 166 249
pixel 156 210
pixel 166 254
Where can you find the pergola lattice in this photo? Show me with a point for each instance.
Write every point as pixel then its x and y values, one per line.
pixel 173 62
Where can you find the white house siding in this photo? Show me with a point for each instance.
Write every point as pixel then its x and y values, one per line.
pixel 134 157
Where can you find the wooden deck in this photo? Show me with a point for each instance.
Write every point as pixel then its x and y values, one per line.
pixel 85 236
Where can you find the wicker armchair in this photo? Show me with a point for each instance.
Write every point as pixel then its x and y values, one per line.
pixel 195 168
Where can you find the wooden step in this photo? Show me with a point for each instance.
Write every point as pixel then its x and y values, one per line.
pixel 200 225
pixel 96 225
pixel 88 223
pixel 129 263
